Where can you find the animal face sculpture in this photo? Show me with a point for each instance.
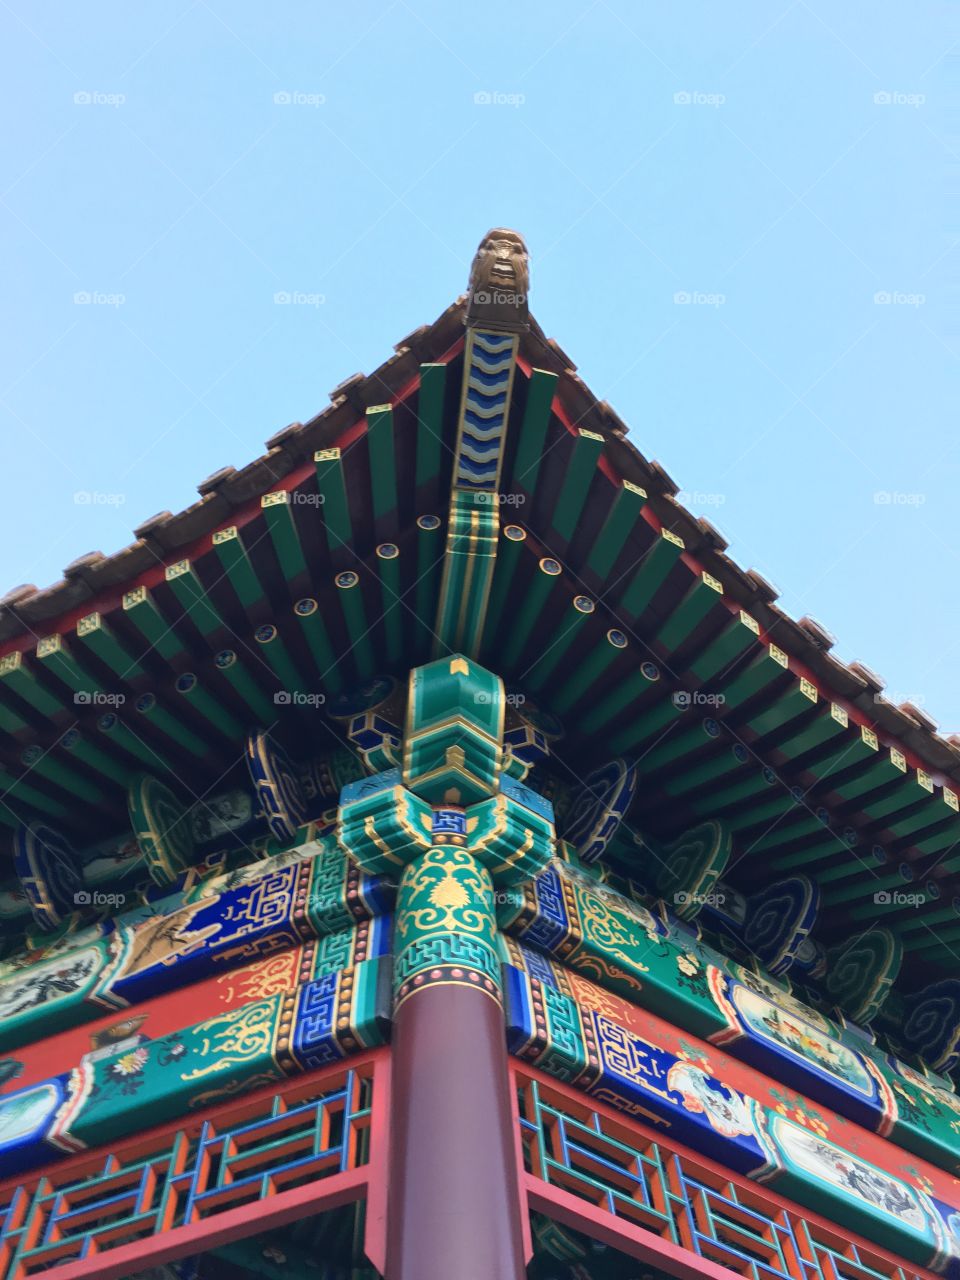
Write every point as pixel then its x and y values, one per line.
pixel 500 282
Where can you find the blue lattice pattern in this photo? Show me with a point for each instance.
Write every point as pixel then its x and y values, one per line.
pixel 633 1177
pixel 314 1131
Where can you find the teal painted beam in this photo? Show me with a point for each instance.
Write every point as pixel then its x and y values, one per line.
pixel 160 718
pixel 383 466
pixel 238 676
pixel 650 574
pixel 95 633
pixel 141 608
pixel 355 620
pixel 430 398
pixel 430 555
pixel 127 739
pixel 193 693
pixel 596 663
pixel 21 791
pixel 764 670
pixel 308 615
pixel 99 761
pixel 587 448
pixel 541 389
pixel 737 636
pixel 46 765
pixel 529 610
pixel 18 677
pixel 333 490
pixel 238 567
pixel 711 772
pixel 705 594
pixel 277 655
pixel 558 646
pixel 392 606
pixel 617 527
pixel 277 510
pixel 508 557
pixel 192 597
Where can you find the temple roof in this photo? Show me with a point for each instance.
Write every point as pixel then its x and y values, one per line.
pixel 592 521
pixel 25 610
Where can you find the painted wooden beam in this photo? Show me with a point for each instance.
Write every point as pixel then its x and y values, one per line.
pixel 394 611
pixel 192 597
pixel 468 569
pixel 333 490
pixel 202 701
pixel 350 596
pixel 383 465
pixel 95 633
pixel 430 397
pixel 278 512
pixel 581 467
pixel 430 553
pixel 141 608
pixel 238 566
pixel 46 764
pixel 529 610
pixel 17 676
pixel 309 616
pixel 594 665
pixel 19 791
pixel 111 770
pixel 619 524
pixel 581 608
pixel 236 672
pixel 508 557
pixel 650 575
pixel 541 389
pixel 277 655
pixel 123 736
pixel 147 706
pixel 704 595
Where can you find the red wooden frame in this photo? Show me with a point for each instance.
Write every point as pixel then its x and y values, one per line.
pixel 367 1181
pixel 637 1242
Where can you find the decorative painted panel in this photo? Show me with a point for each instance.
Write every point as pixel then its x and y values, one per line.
pixel 627 1172
pixel 259 911
pixel 108 1094
pixel 662 966
pixel 734 1072
pixel 164 1014
pixel 249 1158
pixel 633 1075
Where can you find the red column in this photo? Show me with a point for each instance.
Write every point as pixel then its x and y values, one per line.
pixel 454 1193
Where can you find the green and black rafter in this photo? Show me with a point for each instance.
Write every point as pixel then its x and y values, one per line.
pixel 497 314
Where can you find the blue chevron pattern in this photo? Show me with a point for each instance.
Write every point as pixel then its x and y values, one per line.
pixel 483 417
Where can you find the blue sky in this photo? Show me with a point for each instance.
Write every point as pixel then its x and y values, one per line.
pixel 785 167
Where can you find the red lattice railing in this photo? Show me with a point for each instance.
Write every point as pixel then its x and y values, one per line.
pixel 621 1182
pixel 244 1167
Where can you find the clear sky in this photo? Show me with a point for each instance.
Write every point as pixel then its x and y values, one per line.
pixel 786 167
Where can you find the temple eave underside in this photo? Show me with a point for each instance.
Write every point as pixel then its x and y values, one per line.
pixel 439 774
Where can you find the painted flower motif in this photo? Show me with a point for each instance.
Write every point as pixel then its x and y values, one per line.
pixel 172 1053
pixel 130 1064
pixel 688 964
pixel 690 1053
